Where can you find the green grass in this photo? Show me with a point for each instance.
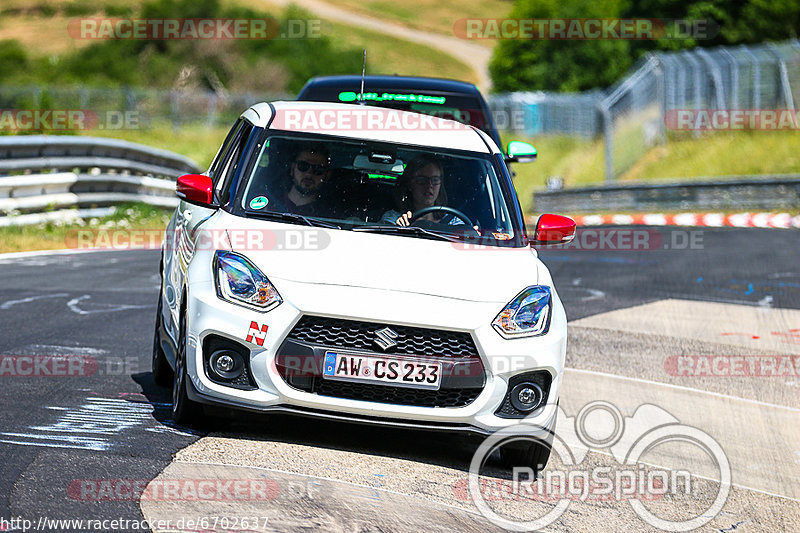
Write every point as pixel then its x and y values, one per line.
pixel 55 236
pixel 436 16
pixel 196 142
pixel 576 161
pixel 26 22
pixel 582 163
pixel 390 55
pixel 720 154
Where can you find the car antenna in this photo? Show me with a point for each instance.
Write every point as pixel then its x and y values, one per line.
pixel 363 71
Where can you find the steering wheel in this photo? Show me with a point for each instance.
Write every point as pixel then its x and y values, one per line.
pixel 437 209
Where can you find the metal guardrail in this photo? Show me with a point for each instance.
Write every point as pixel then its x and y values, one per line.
pixel 42 152
pixel 99 173
pixel 781 191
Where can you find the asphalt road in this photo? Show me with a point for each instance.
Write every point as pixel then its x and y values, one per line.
pixel 59 435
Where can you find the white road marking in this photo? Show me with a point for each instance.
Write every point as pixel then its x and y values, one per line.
pixel 681 387
pixel 92 426
pixel 105 308
pixel 593 294
pixel 11 303
pixel 55 349
pixel 10 256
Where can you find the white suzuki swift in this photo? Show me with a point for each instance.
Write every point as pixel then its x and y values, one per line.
pixel 365 265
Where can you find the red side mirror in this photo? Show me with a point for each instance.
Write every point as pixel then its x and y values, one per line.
pixel 195 188
pixel 553 229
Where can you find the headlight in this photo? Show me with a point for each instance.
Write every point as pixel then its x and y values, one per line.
pixel 239 281
pixel 527 315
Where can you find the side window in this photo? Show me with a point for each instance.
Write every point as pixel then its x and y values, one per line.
pixel 219 159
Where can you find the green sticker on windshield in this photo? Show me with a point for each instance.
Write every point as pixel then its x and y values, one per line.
pixel 259 202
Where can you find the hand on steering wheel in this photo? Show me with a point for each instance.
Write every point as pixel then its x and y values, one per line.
pixel 409 218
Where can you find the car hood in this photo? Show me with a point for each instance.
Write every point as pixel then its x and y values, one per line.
pixel 388 262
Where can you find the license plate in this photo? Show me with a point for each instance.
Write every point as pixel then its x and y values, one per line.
pixel 398 372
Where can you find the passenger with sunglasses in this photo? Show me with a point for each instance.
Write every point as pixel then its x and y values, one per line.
pixel 309 169
pixel 418 187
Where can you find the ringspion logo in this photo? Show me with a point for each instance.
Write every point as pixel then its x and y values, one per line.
pixel 628 440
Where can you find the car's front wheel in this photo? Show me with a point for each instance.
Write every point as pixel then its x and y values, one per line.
pixel 184 411
pixel 162 372
pixel 531 455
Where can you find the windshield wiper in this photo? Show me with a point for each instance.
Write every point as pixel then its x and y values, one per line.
pixel 409 230
pixel 292 217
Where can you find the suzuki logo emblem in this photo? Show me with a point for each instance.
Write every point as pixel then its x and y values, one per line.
pixel 385 338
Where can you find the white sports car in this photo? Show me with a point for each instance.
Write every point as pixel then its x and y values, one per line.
pixel 364 265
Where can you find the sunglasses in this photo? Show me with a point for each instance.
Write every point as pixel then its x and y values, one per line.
pixel 423 180
pixel 305 166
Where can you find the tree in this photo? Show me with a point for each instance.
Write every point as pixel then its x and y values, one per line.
pixel 560 65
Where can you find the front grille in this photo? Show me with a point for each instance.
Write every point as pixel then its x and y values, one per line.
pixel 313 336
pixel 397 395
pixel 339 333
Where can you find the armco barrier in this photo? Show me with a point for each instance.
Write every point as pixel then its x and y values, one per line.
pixel 775 192
pixel 34 153
pixel 85 173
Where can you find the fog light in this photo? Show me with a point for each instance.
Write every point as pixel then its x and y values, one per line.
pixel 226 364
pixel 526 396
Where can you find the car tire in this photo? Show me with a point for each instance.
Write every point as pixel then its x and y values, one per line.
pixel 532 455
pixel 184 411
pixel 162 372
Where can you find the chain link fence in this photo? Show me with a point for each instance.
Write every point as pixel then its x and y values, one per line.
pixel 131 108
pixel 542 113
pixel 631 116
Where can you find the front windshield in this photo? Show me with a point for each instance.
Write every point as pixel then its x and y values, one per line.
pixel 364 185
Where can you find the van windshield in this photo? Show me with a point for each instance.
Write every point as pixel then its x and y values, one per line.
pixel 363 185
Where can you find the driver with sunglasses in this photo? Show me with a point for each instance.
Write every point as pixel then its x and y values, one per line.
pixel 308 171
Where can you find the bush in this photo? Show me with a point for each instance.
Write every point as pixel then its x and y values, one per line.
pixel 201 63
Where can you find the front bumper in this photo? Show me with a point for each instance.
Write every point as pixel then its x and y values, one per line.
pixel 502 358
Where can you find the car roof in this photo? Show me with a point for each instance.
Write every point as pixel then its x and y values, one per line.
pixel 395 82
pixel 436 132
